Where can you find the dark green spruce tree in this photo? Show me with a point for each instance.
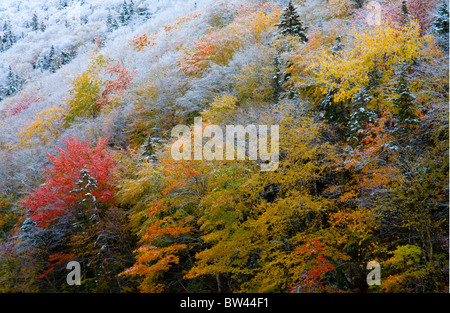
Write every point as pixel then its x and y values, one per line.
pixel 111 22
pixel 404 102
pixel 131 9
pixel 290 23
pixel 51 65
pixel 440 25
pixel 34 22
pixel 404 13
pixel 124 14
pixel 14 83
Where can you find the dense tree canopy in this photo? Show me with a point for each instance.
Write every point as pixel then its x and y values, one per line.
pixel 86 135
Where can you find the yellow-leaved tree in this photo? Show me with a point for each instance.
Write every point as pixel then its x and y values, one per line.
pixel 92 91
pixel 45 127
pixel 373 54
pixel 85 92
pixel 261 227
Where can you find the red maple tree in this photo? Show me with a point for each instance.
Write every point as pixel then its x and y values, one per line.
pixel 56 195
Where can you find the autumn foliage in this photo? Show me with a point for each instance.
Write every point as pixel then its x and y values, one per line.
pixel 99 87
pixel 362 172
pixel 201 53
pixel 57 195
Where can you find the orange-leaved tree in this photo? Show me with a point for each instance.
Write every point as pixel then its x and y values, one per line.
pixel 165 198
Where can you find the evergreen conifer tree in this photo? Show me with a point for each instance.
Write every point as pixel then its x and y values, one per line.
pixel 114 24
pixel 276 79
pixel 290 23
pixel 10 90
pixel 111 22
pixel 51 60
pixel 62 4
pixel 66 57
pixel 125 14
pixel 404 13
pixel 8 39
pixel 42 26
pixel 14 83
pixel 404 101
pixel 34 22
pixel 441 23
pixel 131 9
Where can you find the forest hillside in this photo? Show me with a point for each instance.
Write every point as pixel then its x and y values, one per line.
pixel 96 98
